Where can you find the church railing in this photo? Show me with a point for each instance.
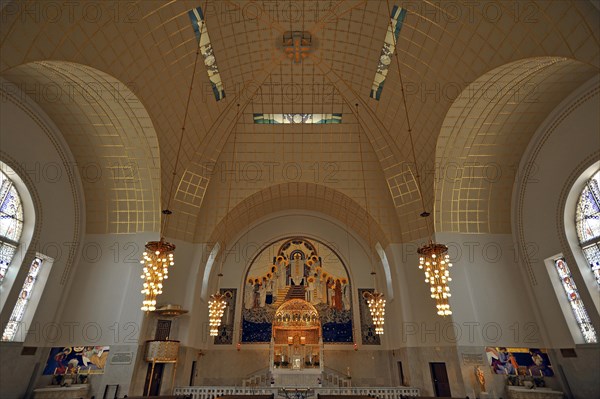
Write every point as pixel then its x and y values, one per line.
pixel 259 378
pixel 334 378
pixel 378 392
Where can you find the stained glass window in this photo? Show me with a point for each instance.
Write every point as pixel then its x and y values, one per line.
pixel 587 219
pixel 11 222
pixel 577 306
pixel 19 310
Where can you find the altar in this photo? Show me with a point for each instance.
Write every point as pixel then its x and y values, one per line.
pixel 296 350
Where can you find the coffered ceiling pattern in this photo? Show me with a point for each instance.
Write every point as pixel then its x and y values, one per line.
pixel 150 47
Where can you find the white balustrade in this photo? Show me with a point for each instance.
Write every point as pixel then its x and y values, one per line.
pixel 379 392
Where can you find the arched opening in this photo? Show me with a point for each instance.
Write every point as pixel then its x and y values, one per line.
pixel 112 139
pixel 485 133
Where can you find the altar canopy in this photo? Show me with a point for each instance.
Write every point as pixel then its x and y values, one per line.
pixel 292 269
pixel 296 336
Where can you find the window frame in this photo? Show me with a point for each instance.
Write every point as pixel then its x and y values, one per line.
pixel 594 241
pixel 5 240
pixel 562 296
pixel 20 256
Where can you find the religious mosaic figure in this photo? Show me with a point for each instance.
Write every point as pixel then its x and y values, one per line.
pixel 310 281
pixel 256 293
pixel 316 291
pixel 330 291
pixel 346 295
pixel 262 293
pixel 275 281
pixel 297 270
pixel 282 274
pixel 249 294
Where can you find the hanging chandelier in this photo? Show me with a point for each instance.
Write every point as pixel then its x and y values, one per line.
pixel 375 299
pixel 218 301
pixel 376 302
pixel 434 259
pixel 435 262
pixel 216 309
pixel 158 256
pixel 157 259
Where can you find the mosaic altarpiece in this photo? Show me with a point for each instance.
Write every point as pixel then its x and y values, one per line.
pixel 297 269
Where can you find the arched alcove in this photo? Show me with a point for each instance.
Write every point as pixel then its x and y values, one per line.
pixel 111 137
pixel 485 133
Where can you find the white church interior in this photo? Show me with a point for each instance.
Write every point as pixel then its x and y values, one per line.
pixel 299 199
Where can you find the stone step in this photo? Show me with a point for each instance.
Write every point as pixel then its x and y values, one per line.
pixel 282 294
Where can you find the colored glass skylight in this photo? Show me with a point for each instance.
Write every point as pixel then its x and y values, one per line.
pixel 275 119
pixel 199 25
pixel 387 52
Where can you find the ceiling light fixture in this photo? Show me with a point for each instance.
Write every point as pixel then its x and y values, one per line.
pixel 375 299
pixel 218 301
pixel 159 255
pixel 434 259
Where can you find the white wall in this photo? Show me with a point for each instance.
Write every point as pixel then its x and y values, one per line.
pixel 33 147
pixel 489 303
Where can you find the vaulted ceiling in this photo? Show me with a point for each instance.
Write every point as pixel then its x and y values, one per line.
pixel 148 48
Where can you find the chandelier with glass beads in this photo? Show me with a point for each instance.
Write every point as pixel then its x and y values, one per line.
pixel 434 259
pixel 376 302
pixel 216 308
pixel 158 256
pixel 218 301
pixel 375 299
pixel 435 263
pixel 157 259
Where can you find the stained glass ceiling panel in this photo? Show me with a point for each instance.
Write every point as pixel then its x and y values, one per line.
pixel 276 119
pixel 387 52
pixel 206 49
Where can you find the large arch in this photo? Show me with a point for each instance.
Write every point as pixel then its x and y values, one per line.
pixel 111 137
pixel 305 196
pixel 484 135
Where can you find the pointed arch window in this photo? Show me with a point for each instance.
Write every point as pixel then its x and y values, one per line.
pixel 587 221
pixel 11 222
